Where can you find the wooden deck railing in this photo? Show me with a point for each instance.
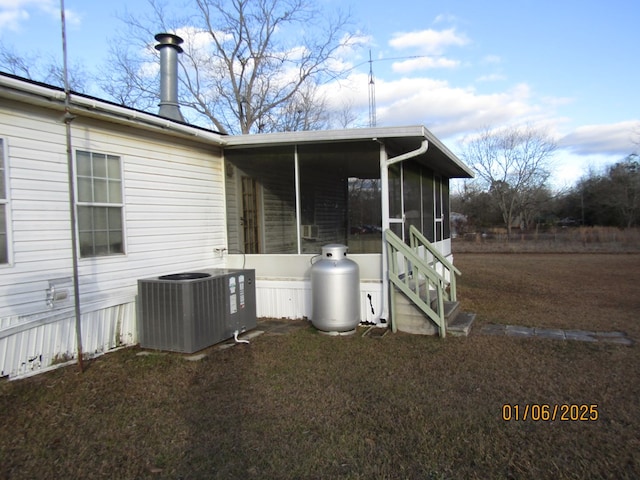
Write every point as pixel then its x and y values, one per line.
pixel 414 277
pixel 443 267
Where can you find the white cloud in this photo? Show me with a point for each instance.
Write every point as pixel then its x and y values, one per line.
pixel 445 18
pixel 13 13
pixel 492 59
pixel 429 45
pixel 453 113
pixel 428 42
pixel 450 110
pixel 493 77
pixel 18 4
pixel 613 139
pixel 447 110
pixel 196 38
pixel 423 63
pixel 10 19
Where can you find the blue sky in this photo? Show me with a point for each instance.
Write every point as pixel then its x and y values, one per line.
pixel 569 66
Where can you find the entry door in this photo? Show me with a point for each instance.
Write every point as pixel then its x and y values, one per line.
pixel 250 215
pixel 396 200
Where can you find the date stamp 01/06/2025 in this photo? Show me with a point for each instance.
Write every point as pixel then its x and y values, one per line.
pixel 540 412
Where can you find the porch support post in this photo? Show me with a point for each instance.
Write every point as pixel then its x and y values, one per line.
pixel 385 162
pixel 384 181
pixel 296 169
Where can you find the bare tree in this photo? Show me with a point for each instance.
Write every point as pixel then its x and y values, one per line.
pixel 305 111
pixel 346 116
pixel 512 164
pixel 245 62
pixel 127 84
pixel 15 64
pixel 624 195
pixel 43 69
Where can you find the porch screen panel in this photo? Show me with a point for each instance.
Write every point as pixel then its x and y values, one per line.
pixel 261 201
pixel 437 184
pixel 365 215
pixel 279 205
pixel 250 215
pixel 323 201
pixel 395 191
pixel 446 209
pixel 412 197
pixel 428 205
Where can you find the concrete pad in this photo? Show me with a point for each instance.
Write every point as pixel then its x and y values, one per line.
pixel 610 334
pixel 147 353
pixel 195 358
pixel 461 325
pixel 493 329
pixel 578 333
pixel 252 334
pixel 579 336
pixel 552 333
pixel 518 331
pixel 224 346
pixel 617 340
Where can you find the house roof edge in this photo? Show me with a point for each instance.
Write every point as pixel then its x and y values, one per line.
pixel 52 97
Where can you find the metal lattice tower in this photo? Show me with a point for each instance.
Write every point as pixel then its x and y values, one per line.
pixel 372 94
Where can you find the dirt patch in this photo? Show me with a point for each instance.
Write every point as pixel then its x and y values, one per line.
pixel 309 406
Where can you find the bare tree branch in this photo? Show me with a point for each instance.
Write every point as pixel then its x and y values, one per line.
pixel 512 164
pixel 246 63
pixel 48 70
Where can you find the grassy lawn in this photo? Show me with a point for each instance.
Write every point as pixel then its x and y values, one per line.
pixel 308 406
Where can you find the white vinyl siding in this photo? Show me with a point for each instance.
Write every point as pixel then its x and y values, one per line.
pixel 4 224
pixel 171 197
pixel 173 215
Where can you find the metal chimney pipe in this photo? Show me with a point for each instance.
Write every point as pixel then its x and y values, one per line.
pixel 169 48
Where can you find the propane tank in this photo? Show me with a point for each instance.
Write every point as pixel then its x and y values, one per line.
pixel 335 291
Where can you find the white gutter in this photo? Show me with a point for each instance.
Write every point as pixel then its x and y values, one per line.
pixel 406 156
pixel 384 180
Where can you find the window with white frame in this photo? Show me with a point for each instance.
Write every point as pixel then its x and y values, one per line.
pixel 4 244
pixel 99 204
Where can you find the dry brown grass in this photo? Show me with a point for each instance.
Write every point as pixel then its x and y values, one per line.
pixel 310 406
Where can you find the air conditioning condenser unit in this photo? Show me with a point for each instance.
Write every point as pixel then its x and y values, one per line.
pixel 186 312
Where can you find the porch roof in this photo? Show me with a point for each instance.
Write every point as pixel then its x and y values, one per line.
pixel 361 145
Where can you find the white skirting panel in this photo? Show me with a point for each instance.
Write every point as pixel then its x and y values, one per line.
pixel 277 298
pixel 30 345
pixel 283 298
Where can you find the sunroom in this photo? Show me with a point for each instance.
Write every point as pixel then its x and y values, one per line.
pixel 289 194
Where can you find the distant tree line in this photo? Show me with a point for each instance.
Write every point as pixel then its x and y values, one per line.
pixel 607 198
pixel 611 198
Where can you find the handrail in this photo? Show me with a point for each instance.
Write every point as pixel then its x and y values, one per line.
pixel 416 239
pixel 409 280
